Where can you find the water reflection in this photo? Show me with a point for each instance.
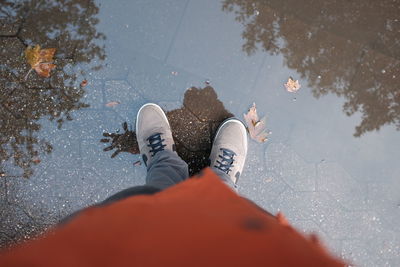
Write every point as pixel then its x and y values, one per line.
pixel 68 26
pixel 348 48
pixel 193 127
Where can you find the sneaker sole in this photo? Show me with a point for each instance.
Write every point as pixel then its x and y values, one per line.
pixel 243 128
pixel 157 107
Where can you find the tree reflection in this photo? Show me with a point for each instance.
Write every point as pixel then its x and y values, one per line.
pixel 68 26
pixel 348 48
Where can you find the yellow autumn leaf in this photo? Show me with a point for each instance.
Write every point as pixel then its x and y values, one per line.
pixel 40 60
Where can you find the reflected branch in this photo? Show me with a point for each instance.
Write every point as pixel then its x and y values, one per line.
pixel 70 27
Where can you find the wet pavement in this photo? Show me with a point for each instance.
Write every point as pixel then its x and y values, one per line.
pixel 330 164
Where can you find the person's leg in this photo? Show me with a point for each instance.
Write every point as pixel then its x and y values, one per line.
pixel 229 150
pixel 226 179
pixel 129 192
pixel 165 170
pixel 156 144
pixel 164 167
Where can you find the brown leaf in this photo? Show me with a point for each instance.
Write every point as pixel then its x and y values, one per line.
pixel 40 59
pixel 112 104
pixel 255 126
pixel 292 86
pixel 84 83
pixel 36 160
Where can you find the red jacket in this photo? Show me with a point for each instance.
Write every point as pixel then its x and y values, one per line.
pixel 199 222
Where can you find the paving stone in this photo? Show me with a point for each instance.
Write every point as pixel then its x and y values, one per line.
pixel 210 41
pixel 90 124
pixel 256 182
pixel 138 30
pixel 11 169
pixel 354 251
pixel 335 180
pixel 325 211
pixel 9 22
pixel 115 67
pixel 387 243
pixel 12 60
pixel 8 28
pixel 69 29
pixel 350 224
pixel 117 173
pixel 156 81
pixel 94 94
pixel 315 206
pixel 3 195
pixel 308 227
pixel 121 92
pixel 289 166
pixel 16 226
pixel 383 198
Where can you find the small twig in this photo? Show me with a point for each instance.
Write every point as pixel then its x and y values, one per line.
pixel 26 76
pixel 5 12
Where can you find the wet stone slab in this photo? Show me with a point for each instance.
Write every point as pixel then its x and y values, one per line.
pixel 285 164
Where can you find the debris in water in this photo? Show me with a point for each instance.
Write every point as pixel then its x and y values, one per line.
pixel 292 86
pixel 112 104
pixel 255 126
pixel 36 160
pixel 40 60
pixel 84 83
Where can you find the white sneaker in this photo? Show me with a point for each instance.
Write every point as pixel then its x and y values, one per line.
pixel 229 149
pixel 153 132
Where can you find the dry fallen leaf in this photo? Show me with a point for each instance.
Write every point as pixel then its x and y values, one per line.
pixel 255 126
pixel 84 83
pixel 36 160
pixel 112 104
pixel 40 60
pixel 292 86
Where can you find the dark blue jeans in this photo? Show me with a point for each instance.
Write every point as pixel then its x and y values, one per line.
pixel 166 169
